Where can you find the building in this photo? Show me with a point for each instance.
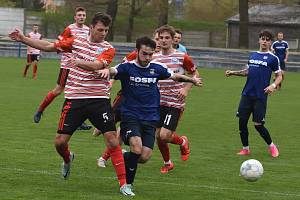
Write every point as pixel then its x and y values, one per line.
pixel 275 17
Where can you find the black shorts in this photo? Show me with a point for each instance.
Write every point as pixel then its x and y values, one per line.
pixel 131 127
pixel 116 106
pixel 62 77
pixel 33 57
pixel 252 105
pixel 282 65
pixel 76 111
pixel 169 117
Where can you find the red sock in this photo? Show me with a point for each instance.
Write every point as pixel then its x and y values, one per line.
pixel 176 139
pixel 164 150
pixel 117 160
pixel 25 70
pixel 105 155
pixel 64 152
pixel 35 71
pixel 48 99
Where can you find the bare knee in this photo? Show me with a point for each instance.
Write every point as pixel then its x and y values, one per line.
pixel 111 139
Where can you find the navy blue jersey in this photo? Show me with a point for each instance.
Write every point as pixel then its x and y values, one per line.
pixel 260 67
pixel 140 93
pixel 280 48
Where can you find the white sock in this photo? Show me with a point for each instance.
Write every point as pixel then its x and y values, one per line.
pixel 168 162
pixel 272 144
pixel 246 147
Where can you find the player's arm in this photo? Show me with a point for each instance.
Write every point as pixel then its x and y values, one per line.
pixel 272 87
pixel 105 73
pixel 43 45
pixel 183 78
pixel 102 61
pixel 243 72
pixel 286 54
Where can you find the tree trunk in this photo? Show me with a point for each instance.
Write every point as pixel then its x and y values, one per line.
pixel 244 21
pixel 112 10
pixel 163 12
pixel 130 21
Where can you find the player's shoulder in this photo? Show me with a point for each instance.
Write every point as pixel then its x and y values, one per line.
pixel 273 56
pixel 157 64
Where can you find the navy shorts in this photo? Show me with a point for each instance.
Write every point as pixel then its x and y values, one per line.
pixel 131 127
pixel 252 105
pixel 169 117
pixel 282 65
pixel 76 111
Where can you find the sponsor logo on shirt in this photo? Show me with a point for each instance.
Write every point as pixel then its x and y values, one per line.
pixel 258 62
pixel 143 80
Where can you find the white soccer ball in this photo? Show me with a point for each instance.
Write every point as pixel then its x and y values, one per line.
pixel 251 170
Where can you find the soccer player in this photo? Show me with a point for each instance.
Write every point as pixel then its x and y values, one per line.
pixel 173 94
pixel 76 29
pixel 256 90
pixel 86 93
pixel 101 161
pixel 141 101
pixel 176 42
pixel 33 55
pixel 281 49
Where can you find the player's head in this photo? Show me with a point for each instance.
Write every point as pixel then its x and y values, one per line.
pixel 100 26
pixel 265 40
pixel 145 47
pixel 80 15
pixel 280 36
pixel 166 35
pixel 156 39
pixel 177 37
pixel 35 28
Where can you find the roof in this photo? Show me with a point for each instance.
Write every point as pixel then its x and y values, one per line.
pixel 271 14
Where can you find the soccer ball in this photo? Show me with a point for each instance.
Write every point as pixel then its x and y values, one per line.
pixel 251 170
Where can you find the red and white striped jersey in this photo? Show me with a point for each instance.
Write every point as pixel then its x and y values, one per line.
pixel 35 36
pixel 83 84
pixel 71 30
pixel 178 62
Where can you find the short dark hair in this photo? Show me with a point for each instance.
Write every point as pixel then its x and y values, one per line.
pixel 166 28
pixel 78 9
pixel 101 17
pixel 178 31
pixel 266 33
pixel 145 41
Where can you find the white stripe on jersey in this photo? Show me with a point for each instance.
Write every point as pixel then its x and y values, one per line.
pixel 35 36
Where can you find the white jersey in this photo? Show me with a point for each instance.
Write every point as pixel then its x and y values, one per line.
pixel 35 36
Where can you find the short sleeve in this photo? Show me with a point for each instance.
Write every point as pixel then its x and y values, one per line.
pixel 65 34
pixel 276 65
pixel 121 70
pixel 107 56
pixel 164 72
pixel 64 45
pixel 188 64
pixel 131 56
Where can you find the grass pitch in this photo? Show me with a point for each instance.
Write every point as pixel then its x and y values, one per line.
pixel 30 167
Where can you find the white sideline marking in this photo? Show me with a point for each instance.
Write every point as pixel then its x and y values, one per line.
pixel 165 183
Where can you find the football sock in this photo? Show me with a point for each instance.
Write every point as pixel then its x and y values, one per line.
pixel 176 139
pixel 244 131
pixel 47 100
pixel 35 71
pixel 247 147
pixel 118 163
pixel 105 155
pixel 25 70
pixel 131 163
pixel 164 150
pixel 264 133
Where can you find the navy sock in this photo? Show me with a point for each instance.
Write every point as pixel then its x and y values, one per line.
pixel 264 133
pixel 131 162
pixel 244 131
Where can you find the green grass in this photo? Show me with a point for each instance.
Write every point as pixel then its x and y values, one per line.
pixel 30 167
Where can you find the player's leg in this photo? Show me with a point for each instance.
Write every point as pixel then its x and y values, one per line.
pixel 106 124
pixel 27 65
pixel 259 121
pixel 244 112
pixel 59 88
pixel 36 58
pixel 148 138
pixel 71 115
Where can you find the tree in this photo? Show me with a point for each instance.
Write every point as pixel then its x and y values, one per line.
pixel 163 6
pixel 112 10
pixel 244 21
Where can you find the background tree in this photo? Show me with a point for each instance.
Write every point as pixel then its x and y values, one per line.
pixel 163 7
pixel 112 10
pixel 244 21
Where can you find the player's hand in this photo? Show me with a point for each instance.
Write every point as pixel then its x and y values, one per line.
pixel 182 94
pixel 270 89
pixel 103 73
pixel 197 81
pixel 16 35
pixel 228 73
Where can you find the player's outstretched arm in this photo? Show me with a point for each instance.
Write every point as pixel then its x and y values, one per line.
pixel 90 66
pixel 43 45
pixel 243 72
pixel 183 78
pixel 108 72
